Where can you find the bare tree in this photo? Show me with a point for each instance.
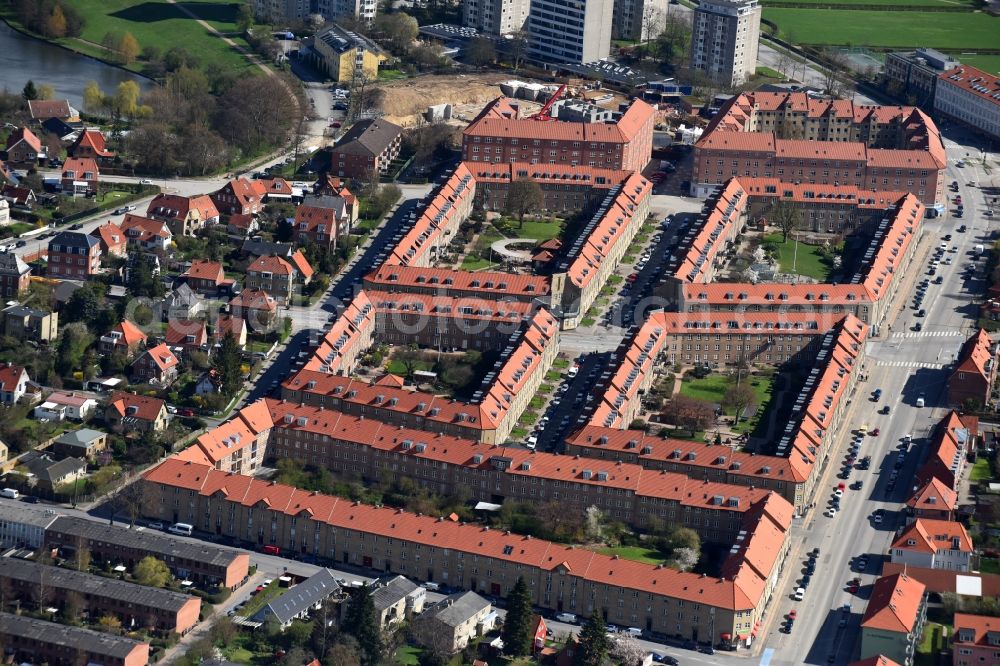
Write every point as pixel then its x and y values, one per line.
pixel 517 47
pixel 523 196
pixel 688 414
pixel 786 216
pixel 738 398
pixel 652 23
pixel 626 651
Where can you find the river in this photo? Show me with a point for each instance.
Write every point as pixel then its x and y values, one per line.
pixel 27 59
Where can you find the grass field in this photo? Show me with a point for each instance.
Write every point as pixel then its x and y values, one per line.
pixel 159 23
pixel 804 261
pixel 981 471
pixel 540 231
pixel 888 29
pixel 987 63
pixel 634 553
pixel 934 639
pixel 711 389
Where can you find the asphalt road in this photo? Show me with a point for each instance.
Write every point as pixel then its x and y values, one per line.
pixel 905 364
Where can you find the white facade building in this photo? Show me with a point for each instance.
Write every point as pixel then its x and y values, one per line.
pixel 724 39
pixel 569 31
pixel 970 96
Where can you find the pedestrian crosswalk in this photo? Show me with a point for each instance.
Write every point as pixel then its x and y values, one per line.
pixel 909 364
pixel 927 334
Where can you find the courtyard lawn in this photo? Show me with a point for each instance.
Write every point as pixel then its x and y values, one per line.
pixel 710 389
pixel 934 639
pixel 634 553
pixel 161 24
pixel 541 230
pixel 408 655
pixel 981 471
pixel 806 260
pixel 949 30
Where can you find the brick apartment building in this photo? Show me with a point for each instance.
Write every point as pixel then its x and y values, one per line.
pixel 975 641
pixel 74 256
pixel 15 275
pixel 184 215
pixel 501 135
pixel 561 578
pixel 975 372
pixel 240 196
pixel 135 605
pixel 797 138
pixel 202 563
pixel 368 147
pixel 80 175
pixel 39 642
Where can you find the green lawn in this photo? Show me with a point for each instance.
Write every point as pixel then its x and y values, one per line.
pixel 934 638
pixel 710 389
pixel 408 655
pixel 959 30
pixel 987 63
pixel 806 260
pixel 981 471
pixel 540 230
pixel 770 73
pixel 159 23
pixel 259 600
pixel 390 75
pixel 989 565
pixel 470 263
pixel 635 553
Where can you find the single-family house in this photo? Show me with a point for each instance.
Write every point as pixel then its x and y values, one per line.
pixel 208 383
pixel 128 412
pixel 258 308
pixel 47 473
pixel 396 599
pixel 894 618
pixel 13 383
pixel 114 242
pixel 147 234
pixel 230 325
pixel 43 109
pixel 296 602
pixel 205 277
pixel 278 189
pixel 62 405
pixel 125 337
pixel 273 275
pixel 80 175
pixel 15 275
pixel 933 500
pixel 60 128
pixel 450 624
pixel 91 144
pixel 255 247
pixel 242 226
pixel 332 186
pixel 240 196
pixel 935 544
pixel 187 333
pixel 181 303
pixel 84 443
pixel 156 365
pixel 23 147
pixel 321 220
pixel 18 196
pixel 26 323
pixel 184 215
pixel 74 255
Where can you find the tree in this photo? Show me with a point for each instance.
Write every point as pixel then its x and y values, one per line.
pixel 787 217
pixel 55 25
pixel 343 653
pixel 81 558
pixel 517 625
pixel 685 559
pixel 110 624
pixel 151 572
pixel 29 92
pixel 128 48
pixel 674 41
pixel 481 51
pixel 93 98
pixel 652 23
pixel 626 651
pixel 226 363
pixel 324 630
pixel 595 523
pixel 594 643
pixel 264 123
pixel 688 414
pixel 244 19
pixel 517 47
pixel 126 99
pixel 523 196
pixel 361 622
pixel 73 344
pixel 399 28
pixel 110 42
pixel 45 91
pixel 738 398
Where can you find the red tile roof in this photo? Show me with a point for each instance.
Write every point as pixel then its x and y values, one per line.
pixel 471 539
pixel 977 355
pixel 79 166
pixel 162 357
pixel 390 277
pixel 147 409
pixel 43 109
pixel 10 375
pixel 177 207
pixel 229 324
pixel 930 536
pixel 953 438
pixel 975 630
pixel 130 333
pixel 302 265
pixel 973 81
pixel 94 140
pixel 894 604
pixel 943 580
pixel 178 331
pixel 933 495
pixel 112 236
pixel 270 264
pixel 501 118
pixel 254 299
pixel 26 135
pixel 202 269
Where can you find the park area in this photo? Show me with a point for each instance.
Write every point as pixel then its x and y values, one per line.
pixel 719 389
pixel 799 258
pixel 162 25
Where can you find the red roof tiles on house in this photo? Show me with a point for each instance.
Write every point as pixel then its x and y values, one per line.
pixel 894 604
pixel 137 406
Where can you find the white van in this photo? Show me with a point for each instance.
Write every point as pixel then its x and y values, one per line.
pixel 920 400
pixel 568 618
pixel 10 493
pixel 181 528
pixel 634 632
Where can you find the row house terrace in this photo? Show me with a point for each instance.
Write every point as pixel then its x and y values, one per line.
pixel 564 188
pixel 459 284
pixel 560 578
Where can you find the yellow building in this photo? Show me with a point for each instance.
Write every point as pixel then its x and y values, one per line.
pixel 344 55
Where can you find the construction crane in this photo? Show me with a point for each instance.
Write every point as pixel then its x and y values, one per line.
pixel 543 113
